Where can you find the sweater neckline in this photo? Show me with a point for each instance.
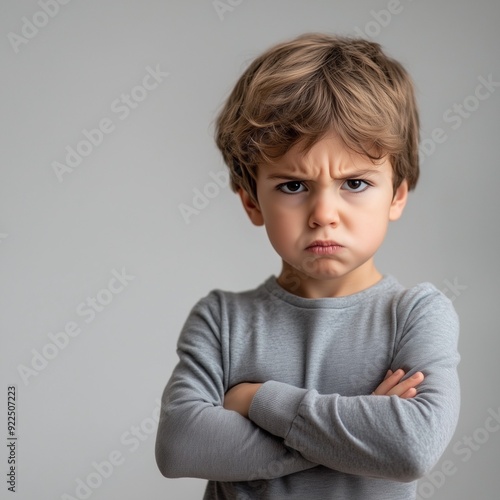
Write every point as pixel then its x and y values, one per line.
pixel 272 286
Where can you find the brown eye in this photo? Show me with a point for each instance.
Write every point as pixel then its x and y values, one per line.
pixel 355 185
pixel 291 187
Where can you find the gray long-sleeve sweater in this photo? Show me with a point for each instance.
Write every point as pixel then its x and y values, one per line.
pixel 314 429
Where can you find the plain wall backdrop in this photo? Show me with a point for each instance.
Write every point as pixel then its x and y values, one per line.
pixel 108 112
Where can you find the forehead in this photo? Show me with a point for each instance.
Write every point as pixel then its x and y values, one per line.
pixel 328 154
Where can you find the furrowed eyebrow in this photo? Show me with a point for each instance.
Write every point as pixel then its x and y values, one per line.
pixel 355 174
pixel 285 177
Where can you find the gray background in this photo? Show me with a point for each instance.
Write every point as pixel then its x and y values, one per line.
pixel 119 209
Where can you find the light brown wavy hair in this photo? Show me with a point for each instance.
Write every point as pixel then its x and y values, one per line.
pixel 302 89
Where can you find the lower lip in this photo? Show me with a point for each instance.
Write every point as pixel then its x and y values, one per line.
pixel 328 250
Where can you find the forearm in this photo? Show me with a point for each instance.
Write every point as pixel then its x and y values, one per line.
pixel 379 436
pixel 208 442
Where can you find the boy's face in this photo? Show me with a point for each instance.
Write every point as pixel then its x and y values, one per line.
pixel 326 213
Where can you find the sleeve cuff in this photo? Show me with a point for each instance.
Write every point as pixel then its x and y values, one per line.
pixel 275 406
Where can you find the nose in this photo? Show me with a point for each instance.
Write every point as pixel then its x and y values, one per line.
pixel 324 210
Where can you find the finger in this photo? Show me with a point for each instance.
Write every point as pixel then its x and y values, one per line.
pixel 389 383
pixel 388 374
pixel 409 383
pixel 410 393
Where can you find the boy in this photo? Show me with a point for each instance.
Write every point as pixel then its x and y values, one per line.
pixel 330 381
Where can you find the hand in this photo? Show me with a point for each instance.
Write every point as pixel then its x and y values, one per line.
pixel 239 398
pixel 391 385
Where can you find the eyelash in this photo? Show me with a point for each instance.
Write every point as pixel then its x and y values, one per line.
pixel 367 184
pixel 280 187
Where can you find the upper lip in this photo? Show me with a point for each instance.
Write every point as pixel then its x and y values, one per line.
pixel 324 243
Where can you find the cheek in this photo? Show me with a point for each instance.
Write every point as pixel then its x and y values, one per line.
pixel 281 227
pixel 277 215
pixel 370 223
pixel 375 233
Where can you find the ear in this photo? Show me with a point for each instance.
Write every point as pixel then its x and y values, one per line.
pixel 251 208
pixel 399 201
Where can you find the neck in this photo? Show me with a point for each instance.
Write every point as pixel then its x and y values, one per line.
pixel 296 282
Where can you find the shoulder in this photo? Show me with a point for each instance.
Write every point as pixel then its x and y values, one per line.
pixel 423 296
pixel 219 302
pixel 424 306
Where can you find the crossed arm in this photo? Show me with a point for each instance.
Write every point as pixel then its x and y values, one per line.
pixel 240 397
pixel 298 428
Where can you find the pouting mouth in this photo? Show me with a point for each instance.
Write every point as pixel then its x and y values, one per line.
pixel 322 243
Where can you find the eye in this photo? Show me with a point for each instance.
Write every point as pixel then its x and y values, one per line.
pixel 355 185
pixel 291 187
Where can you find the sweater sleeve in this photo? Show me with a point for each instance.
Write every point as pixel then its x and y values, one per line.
pixel 379 436
pixel 199 438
